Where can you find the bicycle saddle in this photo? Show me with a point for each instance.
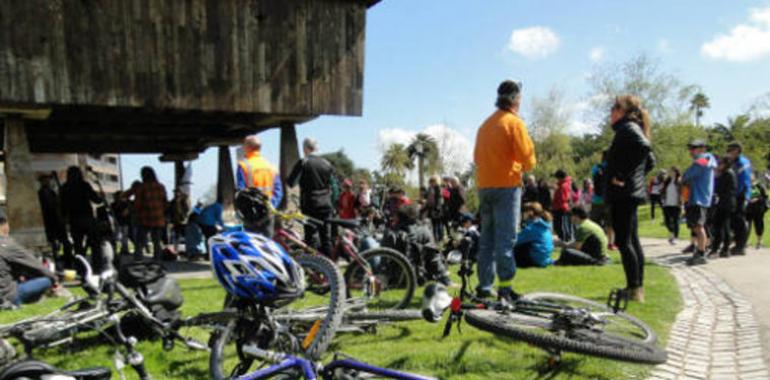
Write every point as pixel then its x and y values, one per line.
pixel 435 300
pixel 34 370
pixel 345 223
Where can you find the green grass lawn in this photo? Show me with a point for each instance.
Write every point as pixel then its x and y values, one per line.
pixel 414 346
pixel 656 229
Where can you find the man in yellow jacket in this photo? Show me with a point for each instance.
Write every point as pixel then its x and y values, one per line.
pixel 255 171
pixel 502 153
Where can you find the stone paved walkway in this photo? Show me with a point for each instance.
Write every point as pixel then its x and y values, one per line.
pixel 715 336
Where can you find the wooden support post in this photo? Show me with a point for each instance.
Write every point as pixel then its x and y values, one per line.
pixel 22 205
pixel 178 174
pixel 289 156
pixel 226 184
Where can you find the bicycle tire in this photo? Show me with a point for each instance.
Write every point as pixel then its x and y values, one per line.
pixel 650 337
pixel 402 315
pixel 406 269
pixel 323 337
pixel 533 330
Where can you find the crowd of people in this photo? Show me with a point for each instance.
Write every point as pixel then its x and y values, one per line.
pixel 521 219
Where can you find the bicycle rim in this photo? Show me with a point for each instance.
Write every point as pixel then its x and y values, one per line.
pixel 387 281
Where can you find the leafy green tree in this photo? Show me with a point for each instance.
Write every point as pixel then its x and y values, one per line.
pixel 698 103
pixel 662 93
pixel 342 164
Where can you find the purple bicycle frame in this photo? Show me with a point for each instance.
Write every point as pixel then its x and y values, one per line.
pixel 309 372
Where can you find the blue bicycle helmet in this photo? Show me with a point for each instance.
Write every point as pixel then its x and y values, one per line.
pixel 250 266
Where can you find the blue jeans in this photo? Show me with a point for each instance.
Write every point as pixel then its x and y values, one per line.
pixel 32 290
pixel 499 209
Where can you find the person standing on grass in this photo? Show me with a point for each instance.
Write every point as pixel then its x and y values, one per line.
pixel 672 203
pixel 600 209
pixel 255 171
pixel 699 178
pixel 725 191
pixel 503 150
pixel 77 197
pixel 742 168
pixel 544 193
pixel 655 191
pixel 561 205
pixel 318 189
pixel 755 211
pixel 150 206
pixel 629 159
pixel 55 229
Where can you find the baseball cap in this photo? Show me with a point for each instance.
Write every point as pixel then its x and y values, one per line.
pixel 696 143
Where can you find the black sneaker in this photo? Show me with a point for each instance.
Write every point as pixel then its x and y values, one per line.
pixel 738 251
pixel 697 259
pixel 483 293
pixel 690 249
pixel 724 253
pixel 507 296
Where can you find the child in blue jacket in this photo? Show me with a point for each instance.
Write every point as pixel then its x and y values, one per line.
pixel 534 244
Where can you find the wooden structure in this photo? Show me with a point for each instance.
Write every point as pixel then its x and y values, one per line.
pixel 175 77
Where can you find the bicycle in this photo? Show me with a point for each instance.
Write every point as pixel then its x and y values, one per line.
pixel 552 321
pixel 104 309
pixel 343 369
pixel 384 278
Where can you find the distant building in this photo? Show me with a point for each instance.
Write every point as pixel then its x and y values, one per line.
pixel 106 168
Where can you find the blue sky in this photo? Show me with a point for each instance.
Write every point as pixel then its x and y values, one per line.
pixel 436 63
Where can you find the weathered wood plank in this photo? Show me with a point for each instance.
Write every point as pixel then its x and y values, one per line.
pixel 300 56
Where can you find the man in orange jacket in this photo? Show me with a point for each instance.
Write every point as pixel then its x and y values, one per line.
pixel 255 171
pixel 503 151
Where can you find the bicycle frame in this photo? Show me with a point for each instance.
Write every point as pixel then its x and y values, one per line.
pixel 311 371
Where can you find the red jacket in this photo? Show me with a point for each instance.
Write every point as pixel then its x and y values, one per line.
pixel 346 205
pixel 562 194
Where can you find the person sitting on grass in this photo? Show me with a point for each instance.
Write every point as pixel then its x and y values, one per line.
pixel 590 245
pixel 534 244
pixel 23 279
pixel 414 239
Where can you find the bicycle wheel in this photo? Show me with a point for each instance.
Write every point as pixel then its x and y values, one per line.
pixel 329 293
pixel 314 333
pixel 544 320
pixel 387 281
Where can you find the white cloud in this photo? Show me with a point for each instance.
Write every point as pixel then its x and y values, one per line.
pixel 578 125
pixel 596 54
pixel 534 43
pixel 745 42
pixel 388 137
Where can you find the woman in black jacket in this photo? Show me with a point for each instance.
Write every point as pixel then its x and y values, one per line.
pixel 629 159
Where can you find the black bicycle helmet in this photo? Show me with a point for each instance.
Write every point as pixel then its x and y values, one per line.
pixel 251 206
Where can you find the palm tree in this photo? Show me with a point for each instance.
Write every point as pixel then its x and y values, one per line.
pixel 425 149
pixel 396 160
pixel 698 103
